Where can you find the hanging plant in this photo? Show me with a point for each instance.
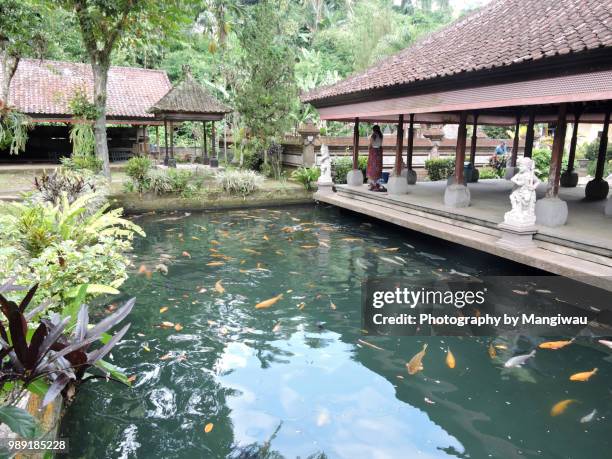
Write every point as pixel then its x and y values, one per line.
pixel 82 134
pixel 14 127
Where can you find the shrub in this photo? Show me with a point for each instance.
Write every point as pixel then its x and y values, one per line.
pixel 306 176
pixel 240 182
pixel 341 165
pixel 138 170
pixel 488 173
pixel 62 246
pixel 541 158
pixel 88 162
pixel 274 166
pixel 51 187
pixel 14 128
pixel 158 182
pixel 440 168
pixel 498 164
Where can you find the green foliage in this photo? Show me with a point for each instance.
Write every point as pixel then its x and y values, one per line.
pixel 239 182
pixel 498 164
pixel 137 168
pixel 496 132
pixel 19 421
pixel 440 168
pixel 14 128
pixel 52 187
pixel 81 107
pixel 488 173
pixel 541 158
pixel 341 165
pixel 82 162
pixel 307 176
pixel 61 246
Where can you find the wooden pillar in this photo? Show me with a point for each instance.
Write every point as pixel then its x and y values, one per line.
pixel 356 144
pixel 166 142
pixel 572 151
pixel 410 146
pixel 460 151
pixel 554 173
pixel 515 141
pixel 399 146
pixel 474 140
pixel 529 135
pixel 603 147
pixel 157 141
pixel 214 161
pixel 171 139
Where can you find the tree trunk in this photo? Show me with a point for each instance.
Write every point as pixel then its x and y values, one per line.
pixel 9 64
pixel 100 77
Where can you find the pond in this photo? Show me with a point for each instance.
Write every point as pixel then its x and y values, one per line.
pixel 300 379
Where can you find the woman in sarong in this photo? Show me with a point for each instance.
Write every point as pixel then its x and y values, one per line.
pixel 375 159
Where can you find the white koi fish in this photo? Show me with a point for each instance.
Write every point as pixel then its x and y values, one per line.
pixel 518 360
pixel 390 260
pixel 589 417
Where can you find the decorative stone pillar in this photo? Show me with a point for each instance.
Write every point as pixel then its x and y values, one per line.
pixel 396 183
pixel 597 189
pixel 569 178
pixel 325 183
pixel 309 133
pixel 355 176
pixel 552 211
pixel 519 223
pixel 457 193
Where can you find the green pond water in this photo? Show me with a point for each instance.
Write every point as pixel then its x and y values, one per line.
pixel 293 380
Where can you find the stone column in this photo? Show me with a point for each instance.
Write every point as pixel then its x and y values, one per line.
pixel 355 176
pixel 309 132
pixel 529 135
pixel 214 161
pixel 411 175
pixel 569 178
pixel 457 193
pixel 597 189
pixel 511 167
pixel 473 174
pixel 552 211
pixel 205 158
pixel 396 183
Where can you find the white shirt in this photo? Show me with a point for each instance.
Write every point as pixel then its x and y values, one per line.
pixel 377 142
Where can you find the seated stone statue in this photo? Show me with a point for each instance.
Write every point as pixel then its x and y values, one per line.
pixel 325 176
pixel 523 197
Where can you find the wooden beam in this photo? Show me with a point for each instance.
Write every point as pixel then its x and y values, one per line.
pixel 474 140
pixel 554 173
pixel 603 146
pixel 515 141
pixel 399 146
pixel 529 135
pixel 460 153
pixel 356 144
pixel 410 146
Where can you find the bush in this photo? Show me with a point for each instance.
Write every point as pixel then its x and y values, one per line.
pixel 440 168
pixel 138 170
pixel 72 184
pixel 88 162
pixel 498 164
pixel 341 165
pixel 541 158
pixel 306 176
pixel 240 182
pixel 488 173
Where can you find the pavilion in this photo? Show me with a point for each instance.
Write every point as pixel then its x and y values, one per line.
pixel 189 101
pixel 511 62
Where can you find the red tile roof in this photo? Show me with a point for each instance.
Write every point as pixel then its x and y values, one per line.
pixel 45 87
pixel 501 34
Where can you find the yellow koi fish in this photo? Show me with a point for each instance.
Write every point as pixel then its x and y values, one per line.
pixel 554 345
pixel 218 287
pixel 450 359
pixel 215 263
pixel 254 252
pixel 583 376
pixel 559 407
pixel 269 302
pixel 416 363
pixel 492 351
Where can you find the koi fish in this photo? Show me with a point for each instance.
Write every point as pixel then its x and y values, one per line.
pixel 162 310
pixel 416 363
pixel 373 346
pixel 215 263
pixel 605 343
pixel 492 351
pixel 518 360
pixel 218 287
pixel 161 268
pixel 143 269
pixel 332 305
pixel 554 345
pixel 391 249
pixel 450 358
pixel 186 254
pixel 308 246
pixel 254 252
pixel 560 407
pixel 269 302
pixel 352 239
pixel 589 417
pixel 389 260
pixel 583 376
pixel 276 328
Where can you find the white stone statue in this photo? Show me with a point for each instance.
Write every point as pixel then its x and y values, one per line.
pixel 523 197
pixel 325 176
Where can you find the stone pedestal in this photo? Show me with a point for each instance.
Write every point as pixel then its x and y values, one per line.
pixel 608 208
pixel 596 190
pixel 354 178
pixel 309 133
pixel 397 185
pixel 510 172
pixel 515 237
pixel 324 187
pixel 411 176
pixel 569 179
pixel 457 196
pixel 551 212
pixel 214 162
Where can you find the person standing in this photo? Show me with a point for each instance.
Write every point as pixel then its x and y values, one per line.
pixel 501 149
pixel 375 159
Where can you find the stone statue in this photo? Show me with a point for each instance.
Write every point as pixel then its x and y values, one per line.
pixel 523 197
pixel 325 176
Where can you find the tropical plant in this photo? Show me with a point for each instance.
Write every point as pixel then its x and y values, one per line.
pixel 52 186
pixel 341 165
pixel 14 127
pixel 137 169
pixel 541 158
pixel 273 167
pixel 307 176
pixel 498 164
pixel 439 168
pixel 240 182
pixel 487 173
pixel 62 246
pixel 82 162
pixel 35 350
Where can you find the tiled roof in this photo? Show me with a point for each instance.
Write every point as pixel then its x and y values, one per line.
pixel 45 87
pixel 189 97
pixel 501 34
